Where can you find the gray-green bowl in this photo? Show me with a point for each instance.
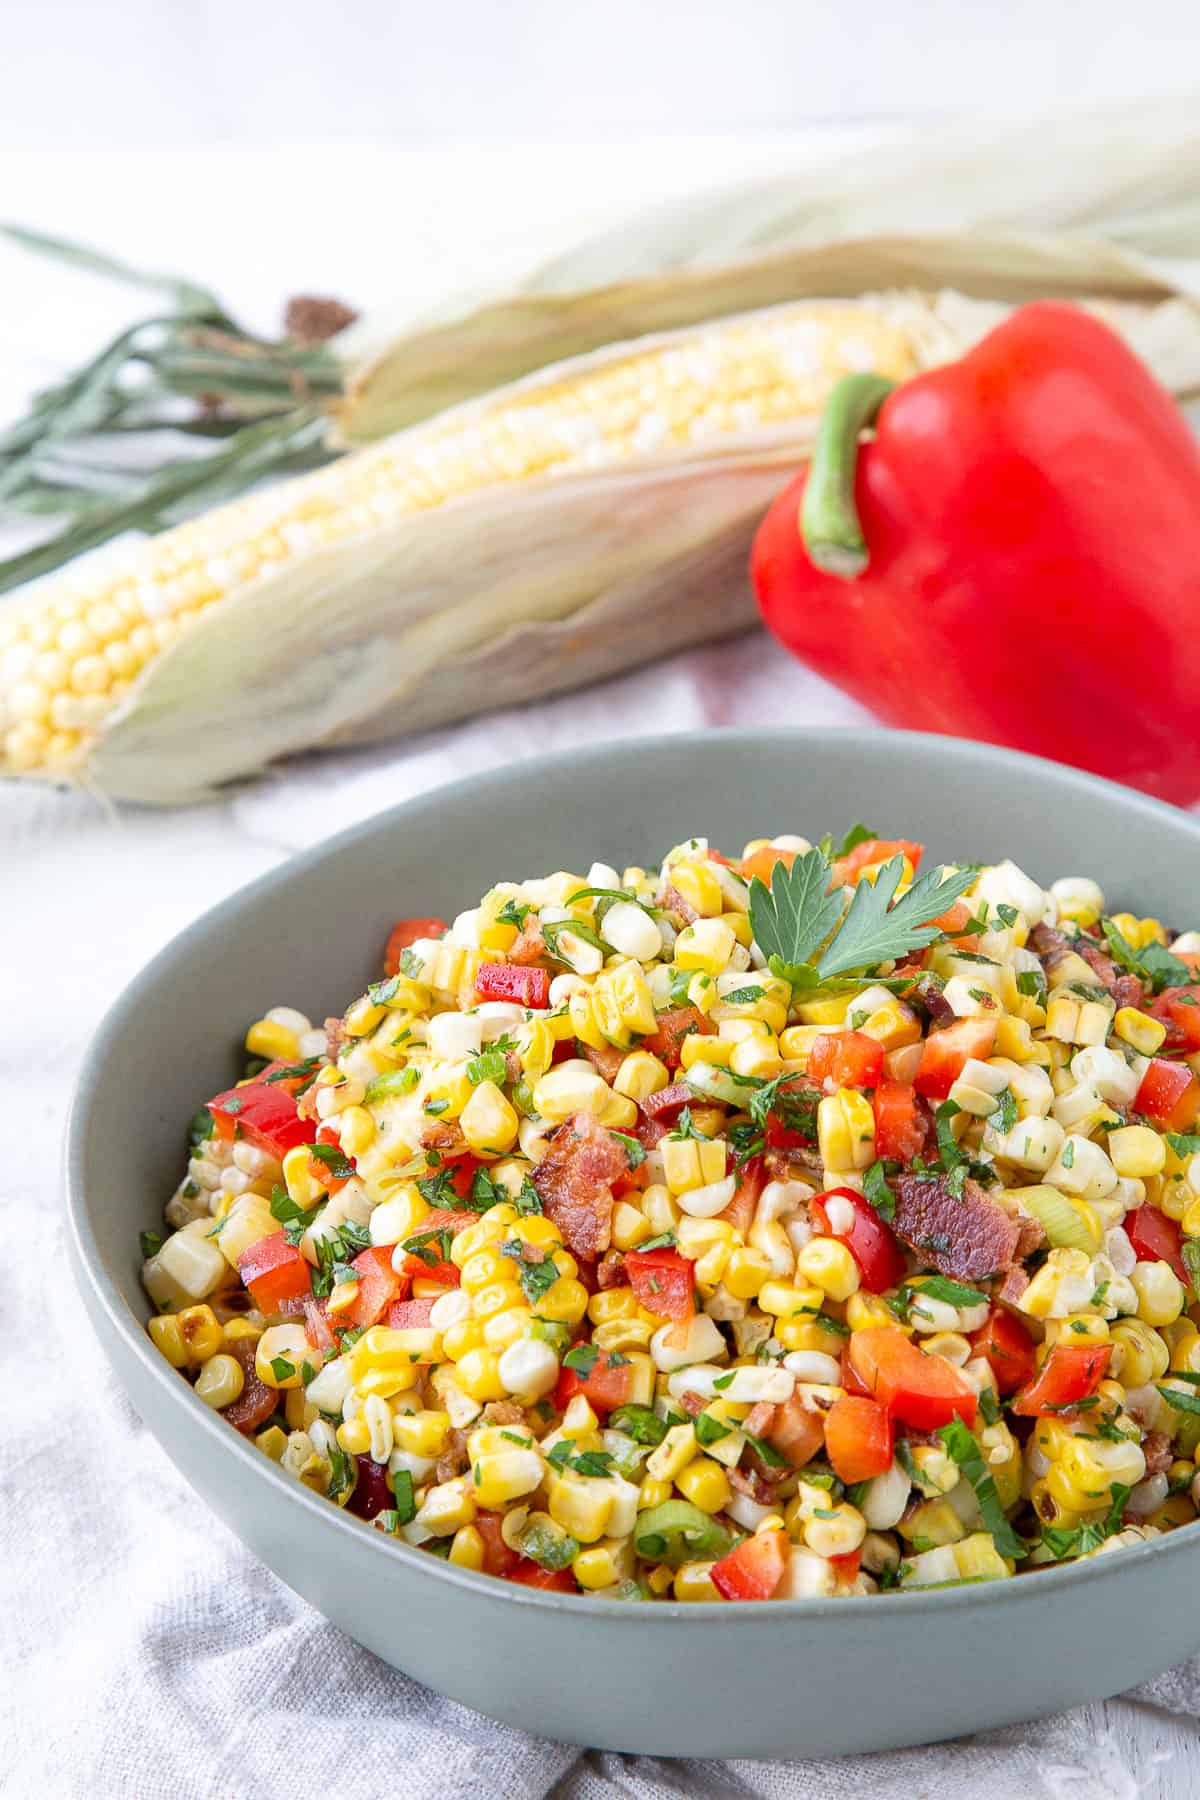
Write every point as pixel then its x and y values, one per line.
pixel 813 1678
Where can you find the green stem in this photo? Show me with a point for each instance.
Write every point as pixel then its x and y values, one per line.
pixel 829 521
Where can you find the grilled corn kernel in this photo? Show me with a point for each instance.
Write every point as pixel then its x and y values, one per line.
pixel 488 1122
pixel 220 1381
pixel 201 1332
pixel 707 945
pixel 829 1265
pixel 839 1535
pixel 745 1272
pixel 506 1475
pixel 565 1301
pixel 756 1057
pixel 459 1338
pixel 447 1508
pixel 167 1339
pixel 705 1483
pixel 864 1310
pixel 846 1131
pixel 1139 1030
pixel 582 1505
pixel 1139 1353
pixel 653 1493
pixel 809 1334
pixel 466 1547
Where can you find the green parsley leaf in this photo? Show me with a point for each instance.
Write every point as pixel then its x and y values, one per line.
pixel 334 1159
pixel 200 1127
pixel 528 1200
pixel 439 1188
pixel 536 1277
pixel 721 1382
pixel 1188 1403
pixel 151 1243
pixel 294 1219
pixel 876 930
pixel 641 1423
pixel 743 996
pixel 989 1406
pixel 430 1247
pixel 1003 1115
pixel 380 993
pixel 876 1189
pixel 586 933
pixel 489 1065
pixel 396 1081
pixel 633 1150
pixel 969 1457
pixel 940 1287
pixel 1077 1540
pixel 710 1430
pixel 766 1452
pixel 513 912
pixel 1031 983
pixel 666 1240
pixel 857 834
pixel 1067 1155
pixel 282 1369
pixel 1154 963
pixel 1183 1143
pixel 794 916
pixel 597 1463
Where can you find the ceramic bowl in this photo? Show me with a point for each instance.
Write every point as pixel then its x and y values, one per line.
pixel 791 1678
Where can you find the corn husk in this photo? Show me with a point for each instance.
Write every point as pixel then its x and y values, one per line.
pixel 1097 203
pixel 511 592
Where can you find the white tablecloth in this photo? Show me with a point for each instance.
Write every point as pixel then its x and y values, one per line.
pixel 145 1652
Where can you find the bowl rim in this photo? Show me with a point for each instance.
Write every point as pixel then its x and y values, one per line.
pixel 106 1296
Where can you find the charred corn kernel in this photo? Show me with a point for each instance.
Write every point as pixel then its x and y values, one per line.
pixel 699 887
pixel 756 1057
pixel 272 1442
pixel 200 1332
pixel 864 1310
pixel 1136 1151
pixel 700 1047
pixel 363 1016
pixel 478 1374
pixel 1094 1466
pixel 612 1303
pixel 745 1272
pixel 630 1226
pixel 167 1338
pixel 506 1475
pixel 421 1433
pixel 604 1564
pixel 846 1131
pixel 1139 1353
pixel 488 1122
pixel 381 1363
pixel 299 1179
pixel 220 1381
pixel 447 1508
pixel 449 1088
pixel 354 1437
pixel 1161 1295
pixel 706 945
pixel 692 1163
pixel 828 1264
pixel 621 995
pixel 705 1483
pixel 273 1041
pixel 623 1334
pixel 693 1581
pixel 1139 1030
pixel 466 1546
pixel 810 1334
pixel 674 1453
pixel 653 1493
pixel 641 1075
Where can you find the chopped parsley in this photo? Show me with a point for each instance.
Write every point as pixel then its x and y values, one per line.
pixel 528 1200
pixel 513 912
pixel 396 1081
pixel 710 1430
pixel 293 1217
pixel 584 1357
pixel 333 1159
pixel 641 1423
pixel 969 1457
pixel 151 1242
pixel 632 1148
pixel 490 1064
pixel 744 996
pixel 876 1189
pixel 1078 1540
pixel 1003 1115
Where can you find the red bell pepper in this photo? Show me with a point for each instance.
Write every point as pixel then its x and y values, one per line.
pixel 405 1315
pixel 921 1390
pixel 847 1059
pixel 1071 1373
pixel 274 1271
pixel 1169 1094
pixel 754 1569
pixel 406 932
pixel 264 1113
pixel 900 1127
pixel 675 1024
pixel 663 1282
pixel 498 1558
pixel 378 1286
pixel 1155 1238
pixel 1180 1007
pixel 531 1574
pixel 858 1438
pixel 870 1242
pixel 607 1384
pixel 513 981
pixel 871 851
pixel 746 1195
pixel 1009 1350
pixel 945 1054
pixel 796 1432
pixel 426 1262
pixel 1043 490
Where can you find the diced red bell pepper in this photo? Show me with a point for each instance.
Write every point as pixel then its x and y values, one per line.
pixel 871 851
pixel 945 1053
pixel 847 1566
pixel 1181 1006
pixel 674 1025
pixel 1155 1238
pixel 405 1315
pixel 795 1432
pixel 421 1267
pixel 921 1390
pixel 264 1113
pixel 378 1286
pixel 321 1170
pixel 858 1438
pixel 1009 1349
pixel 513 981
pixel 1071 1373
pixel 754 1569
pixel 869 1240
pixel 316 1323
pixel 404 933
pixel 847 1059
pixel 605 1386
pixel 274 1271
pixel 663 1281
pixel 498 1558
pixel 371 1494
pixel 1169 1094
pixel 900 1127
pixel 761 863
pixel 746 1195
pixel 531 1574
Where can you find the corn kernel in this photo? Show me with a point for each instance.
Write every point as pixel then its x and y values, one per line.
pixel 672 1456
pixel 706 945
pixel 699 1047
pixel 458 1340
pixel 506 1475
pixel 693 1582
pixel 630 1226
pixel 582 1505
pixel 846 1131
pixel 272 1442
pixel 275 1042
pixel 167 1339
pixel 478 1374
pixel 354 1437
pixel 301 1183
pixel 699 887
pixel 466 1547
pixel 1136 1151
pixel 1139 1030
pixel 653 1493
pixel 865 1310
pixel 756 1057
pixel 421 1433
pixel 641 1075
pixel 705 1483
pixel 1161 1295
pixel 829 1265
pixel 201 1332
pixel 381 1363
pixel 447 1508
pixel 489 1123
pixel 220 1381
pixel 745 1272
pixel 604 1564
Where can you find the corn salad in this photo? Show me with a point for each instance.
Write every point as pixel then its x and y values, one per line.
pixel 799 1224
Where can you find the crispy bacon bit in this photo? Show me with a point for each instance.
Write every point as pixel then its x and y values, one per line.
pixel 1049 943
pixel 610 1270
pixel 1031 1235
pixel 441 1136
pixel 968 1238
pixel 692 1403
pixel 759 1419
pixel 503 1412
pixel 1156 1448
pixel 1013 1286
pixel 530 946
pixel 673 902
pixel 793 1163
pixel 574 1180
pixel 256 1401
pixel 669 1102
pixel 1102 966
pixel 607 1060
pixel 1127 990
pixel 336 1035
pixel 455 1458
pixel 752 1481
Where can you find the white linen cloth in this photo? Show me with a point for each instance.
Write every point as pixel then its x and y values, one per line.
pixel 146 1653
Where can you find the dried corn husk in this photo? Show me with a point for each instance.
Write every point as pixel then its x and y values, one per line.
pixel 384 603
pixel 1090 203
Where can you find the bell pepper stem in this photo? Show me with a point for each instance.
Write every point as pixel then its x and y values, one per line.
pixel 829 521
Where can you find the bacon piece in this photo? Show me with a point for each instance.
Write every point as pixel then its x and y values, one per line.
pixel 607 1060
pixel 1031 1235
pixel 673 902
pixel 436 1135
pixel 968 1238
pixel 930 994
pixel 256 1401
pixel 753 1482
pixel 692 1403
pixel 529 947
pixel 1049 943
pixel 1156 1448
pixel 336 1035
pixel 455 1458
pixel 669 1102
pixel 610 1270
pixel 759 1419
pixel 1102 966
pixel 503 1412
pixel 793 1163
pixel 1127 990
pixel 1013 1286
pixel 650 1132
pixel 574 1180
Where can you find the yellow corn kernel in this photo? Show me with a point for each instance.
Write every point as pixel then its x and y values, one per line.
pixel 693 1581
pixel 739 924
pixel 1060 1266
pixel 241 1328
pixel 450 1088
pixel 630 1226
pixel 584 1022
pixel 604 1564
pixel 381 1363
pixel 1190 1218
pixel 700 1048
pixel 893 1025
pixel 705 1483
pixel 489 1123
pixel 829 1265
pixel 298 1409
pixel 565 1301
pixel 421 1433
pixel 272 1442
pixel 1139 1030
pixel 707 946
pixel 756 1057
pixel 829 1009
pixel 625 989
pixel 200 1331
pixel 1014 1040
pixel 660 1209
pixel 699 887
pixel 458 1339
pixel 506 1475
pixel 1068 1493
pixel 709 1121
pixel 1136 1151
pixel 692 1162
pixel 846 1131
pixel 745 1272
pixel 571 1087
pixel 641 1075
pixel 504 1328
pixel 275 1042
pixel 623 1334
pixel 1161 1295
pixel 674 1453
pixel 1080 1329
pixel 582 1505
pixel 167 1339
pixel 483 1269
pixel 809 1334
pixel 354 1437
pixel 447 1508
pixel 478 1374
pixel 653 1493
pixel 220 1381
pixel 865 1310
pixel 612 1303
pixel 364 1016
pixel 784 1299
pixel 247 1220
pixel 466 1546
pixel 1139 1353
